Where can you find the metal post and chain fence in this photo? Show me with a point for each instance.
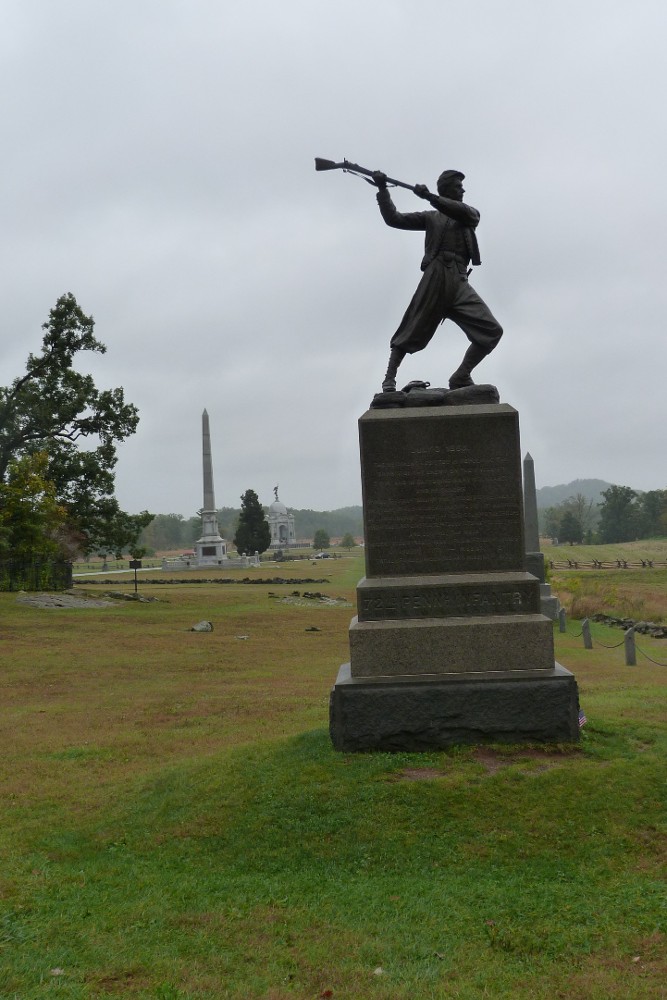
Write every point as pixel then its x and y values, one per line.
pixel 628 641
pixel 562 625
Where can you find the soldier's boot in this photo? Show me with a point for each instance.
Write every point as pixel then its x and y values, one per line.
pixel 389 380
pixel 460 379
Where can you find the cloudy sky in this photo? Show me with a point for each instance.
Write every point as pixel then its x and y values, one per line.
pixel 158 163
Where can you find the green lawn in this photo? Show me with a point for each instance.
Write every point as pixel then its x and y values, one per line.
pixel 177 825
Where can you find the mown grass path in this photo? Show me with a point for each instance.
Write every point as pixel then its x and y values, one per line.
pixel 176 824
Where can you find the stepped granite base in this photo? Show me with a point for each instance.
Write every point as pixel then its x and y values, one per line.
pixel 449 644
pixel 429 713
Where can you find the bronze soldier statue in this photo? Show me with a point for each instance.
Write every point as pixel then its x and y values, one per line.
pixel 444 291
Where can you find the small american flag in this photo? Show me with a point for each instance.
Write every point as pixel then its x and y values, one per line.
pixel 582 719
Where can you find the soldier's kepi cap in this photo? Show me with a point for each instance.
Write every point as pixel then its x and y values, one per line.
pixel 447 176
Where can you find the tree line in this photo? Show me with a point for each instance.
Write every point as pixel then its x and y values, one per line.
pixel 168 532
pixel 623 515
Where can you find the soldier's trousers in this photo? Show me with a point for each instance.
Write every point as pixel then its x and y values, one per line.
pixel 444 293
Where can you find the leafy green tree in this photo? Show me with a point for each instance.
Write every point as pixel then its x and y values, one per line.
pixel 252 531
pixel 652 513
pixel 583 510
pixel 552 520
pixel 347 541
pixel 166 531
pixel 122 532
pixel 618 515
pixel 321 539
pixel 50 409
pixel 193 530
pixel 570 529
pixel 30 516
pixel 580 509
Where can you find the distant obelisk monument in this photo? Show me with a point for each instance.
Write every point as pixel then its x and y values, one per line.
pixel 211 548
pixel 535 558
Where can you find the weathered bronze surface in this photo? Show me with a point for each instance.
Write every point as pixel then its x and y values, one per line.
pixel 444 291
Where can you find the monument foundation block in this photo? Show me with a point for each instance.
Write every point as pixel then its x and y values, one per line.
pixel 449 644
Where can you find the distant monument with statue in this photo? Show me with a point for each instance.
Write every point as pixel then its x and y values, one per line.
pixel 281 524
pixel 450 643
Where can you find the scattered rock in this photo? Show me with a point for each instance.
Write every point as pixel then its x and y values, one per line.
pixel 308 599
pixel 653 629
pixel 60 601
pixel 202 627
pixel 139 598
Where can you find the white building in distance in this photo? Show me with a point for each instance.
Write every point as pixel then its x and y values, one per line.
pixel 281 524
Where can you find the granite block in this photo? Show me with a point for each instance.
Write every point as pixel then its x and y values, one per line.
pixel 417 715
pixel 446 596
pixel 442 490
pixel 451 645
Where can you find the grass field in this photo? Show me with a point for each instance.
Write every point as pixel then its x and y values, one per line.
pixel 176 824
pixel 639 593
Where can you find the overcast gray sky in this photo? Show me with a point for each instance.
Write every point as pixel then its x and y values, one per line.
pixel 158 163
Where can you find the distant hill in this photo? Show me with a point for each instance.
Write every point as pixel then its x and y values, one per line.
pixel 336 523
pixel 551 496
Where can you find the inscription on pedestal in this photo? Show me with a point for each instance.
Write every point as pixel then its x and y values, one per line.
pixel 442 492
pixel 446 597
pixel 438 604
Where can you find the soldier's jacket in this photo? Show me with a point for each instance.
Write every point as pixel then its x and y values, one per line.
pixel 444 234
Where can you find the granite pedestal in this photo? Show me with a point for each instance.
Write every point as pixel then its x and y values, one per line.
pixel 448 645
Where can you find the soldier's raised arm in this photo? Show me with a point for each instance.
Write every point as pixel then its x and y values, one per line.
pixel 389 212
pixel 457 210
